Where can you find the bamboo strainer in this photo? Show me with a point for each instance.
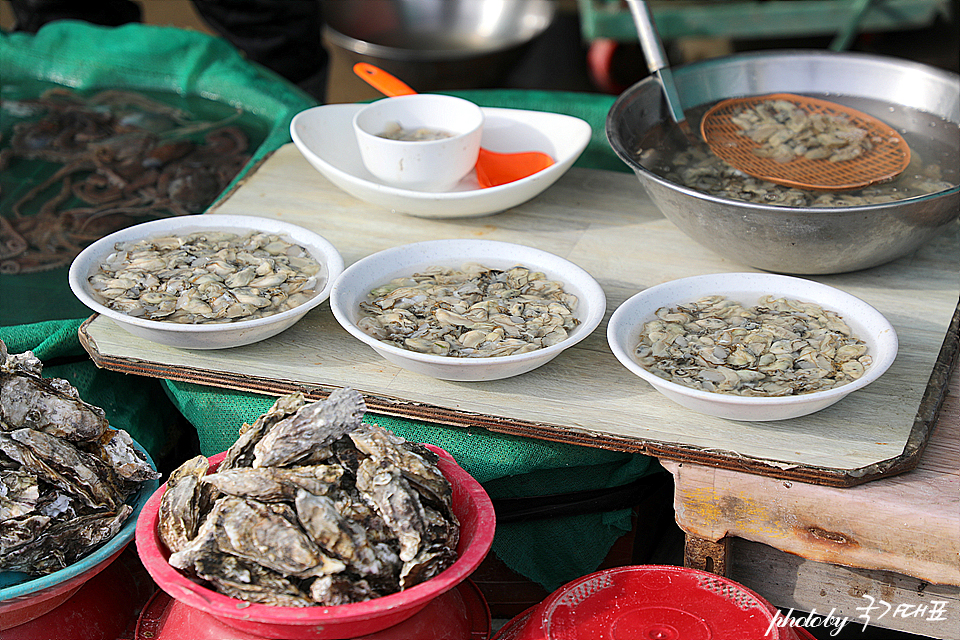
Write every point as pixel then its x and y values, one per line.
pixel 887 159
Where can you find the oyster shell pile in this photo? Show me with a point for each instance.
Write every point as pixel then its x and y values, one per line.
pixel 784 131
pixel 64 473
pixel 473 312
pixel 778 347
pixel 206 277
pixel 311 506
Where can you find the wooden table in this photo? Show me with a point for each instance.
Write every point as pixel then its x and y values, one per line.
pixel 892 541
pixel 778 485
pixel 602 221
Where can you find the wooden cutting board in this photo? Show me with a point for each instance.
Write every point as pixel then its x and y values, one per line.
pixel 604 222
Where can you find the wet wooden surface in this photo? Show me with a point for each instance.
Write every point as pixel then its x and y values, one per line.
pixel 604 222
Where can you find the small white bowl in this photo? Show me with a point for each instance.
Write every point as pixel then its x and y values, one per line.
pixel 205 336
pixel 353 285
pixel 422 165
pixel 626 324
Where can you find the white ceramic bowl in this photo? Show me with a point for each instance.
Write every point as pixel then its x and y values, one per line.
pixel 352 287
pixel 206 336
pixel 626 323
pixel 422 165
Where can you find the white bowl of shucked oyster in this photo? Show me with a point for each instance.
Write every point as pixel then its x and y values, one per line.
pixel 752 346
pixel 207 281
pixel 467 310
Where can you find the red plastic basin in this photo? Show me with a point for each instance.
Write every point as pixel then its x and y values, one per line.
pixel 650 601
pixel 459 614
pixel 471 504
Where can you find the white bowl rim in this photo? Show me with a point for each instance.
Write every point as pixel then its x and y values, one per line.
pixel 226 222
pixel 590 322
pixel 888 340
pixel 426 97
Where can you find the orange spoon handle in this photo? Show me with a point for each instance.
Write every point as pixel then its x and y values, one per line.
pixel 494 169
pixel 382 81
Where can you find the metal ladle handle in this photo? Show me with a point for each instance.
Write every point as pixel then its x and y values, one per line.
pixel 656 57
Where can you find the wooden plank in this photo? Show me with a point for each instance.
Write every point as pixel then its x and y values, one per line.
pixel 882 599
pixel 604 222
pixel 909 524
pixel 707 555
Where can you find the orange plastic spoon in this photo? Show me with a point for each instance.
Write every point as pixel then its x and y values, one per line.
pixel 493 168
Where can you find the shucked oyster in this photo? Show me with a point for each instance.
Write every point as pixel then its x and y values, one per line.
pixel 778 347
pixel 312 506
pixel 64 474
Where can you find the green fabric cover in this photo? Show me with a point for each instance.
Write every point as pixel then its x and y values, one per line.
pixel 550 552
pixel 83 56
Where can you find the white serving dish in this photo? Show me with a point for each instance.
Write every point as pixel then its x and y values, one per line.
pixel 626 323
pixel 353 285
pixel 206 336
pixel 325 137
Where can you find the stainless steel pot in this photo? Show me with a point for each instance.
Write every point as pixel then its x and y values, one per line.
pixel 799 240
pixel 437 44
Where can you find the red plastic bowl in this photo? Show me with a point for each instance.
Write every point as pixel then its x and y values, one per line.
pixel 651 601
pixel 471 504
pixel 459 614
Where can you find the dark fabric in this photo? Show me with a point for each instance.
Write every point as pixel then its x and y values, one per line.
pixel 282 35
pixel 30 15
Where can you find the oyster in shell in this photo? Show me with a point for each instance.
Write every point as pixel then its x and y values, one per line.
pixel 270 535
pixel 180 503
pixel 65 475
pixel 59 545
pixel 19 493
pixel 313 507
pixel 249 581
pixel 341 537
pixel 276 484
pixel 314 426
pixel 240 453
pixel 58 463
pixel 30 402
pixel 396 502
pixel 416 464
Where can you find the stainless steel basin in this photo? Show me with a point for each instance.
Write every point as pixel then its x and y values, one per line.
pixel 437 44
pixel 801 240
